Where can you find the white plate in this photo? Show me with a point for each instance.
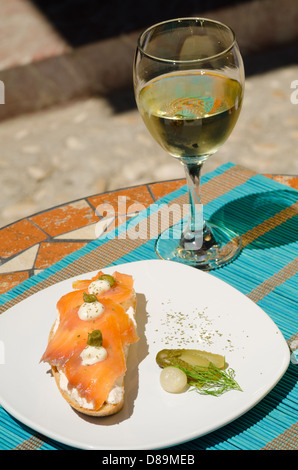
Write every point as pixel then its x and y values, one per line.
pixel 177 306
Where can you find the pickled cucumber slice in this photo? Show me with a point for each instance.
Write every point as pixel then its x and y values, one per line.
pixel 204 370
pixel 193 357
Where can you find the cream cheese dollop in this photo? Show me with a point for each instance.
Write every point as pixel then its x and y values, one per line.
pixel 98 286
pixel 90 310
pixel 93 354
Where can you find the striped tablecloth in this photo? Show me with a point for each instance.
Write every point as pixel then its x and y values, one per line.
pixel 265 212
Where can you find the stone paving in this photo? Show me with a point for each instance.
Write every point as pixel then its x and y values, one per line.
pixel 87 147
pixel 87 143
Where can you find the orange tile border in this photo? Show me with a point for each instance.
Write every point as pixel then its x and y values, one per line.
pixel 18 237
pixel 291 181
pixel 65 218
pixel 288 180
pixel 39 229
pixel 136 196
pixel 10 280
pixel 51 252
pixel 162 189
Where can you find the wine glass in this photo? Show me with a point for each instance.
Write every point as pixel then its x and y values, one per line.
pixel 189 84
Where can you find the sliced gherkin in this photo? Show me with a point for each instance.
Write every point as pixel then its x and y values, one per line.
pixel 193 357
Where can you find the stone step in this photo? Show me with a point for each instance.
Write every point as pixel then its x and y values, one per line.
pixel 40 68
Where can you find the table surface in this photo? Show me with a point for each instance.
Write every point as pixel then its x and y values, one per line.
pixel 40 243
pixel 36 242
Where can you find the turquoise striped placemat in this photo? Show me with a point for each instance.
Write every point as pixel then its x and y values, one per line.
pixel 266 214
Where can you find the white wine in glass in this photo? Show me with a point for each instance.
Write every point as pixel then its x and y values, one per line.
pixel 189 83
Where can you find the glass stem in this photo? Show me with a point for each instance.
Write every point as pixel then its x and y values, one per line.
pixel 196 234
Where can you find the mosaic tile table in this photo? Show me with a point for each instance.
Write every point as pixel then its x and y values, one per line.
pixel 66 240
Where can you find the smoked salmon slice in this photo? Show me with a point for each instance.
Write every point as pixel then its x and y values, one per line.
pixel 72 300
pixel 119 292
pixel 69 338
pixel 94 382
pixel 84 283
pixel 72 332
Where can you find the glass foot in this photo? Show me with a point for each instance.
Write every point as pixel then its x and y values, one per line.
pixel 217 246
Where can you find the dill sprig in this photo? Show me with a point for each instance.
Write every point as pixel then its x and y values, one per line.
pixel 209 380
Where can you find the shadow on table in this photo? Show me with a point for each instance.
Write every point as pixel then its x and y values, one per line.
pixel 253 417
pixel 265 220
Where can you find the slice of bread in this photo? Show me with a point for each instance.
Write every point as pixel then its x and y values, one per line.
pixel 73 399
